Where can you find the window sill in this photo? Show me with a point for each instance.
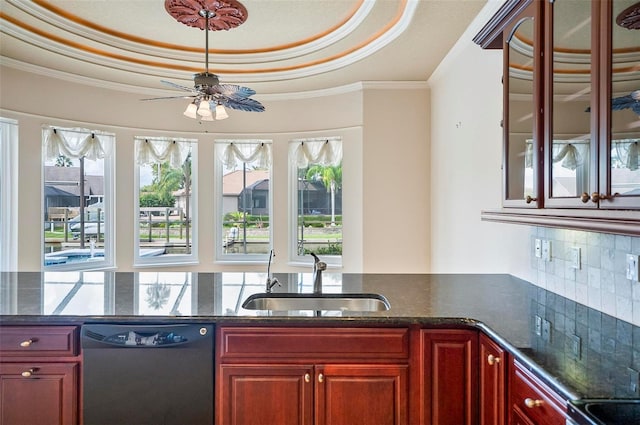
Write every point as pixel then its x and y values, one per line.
pixel 603 221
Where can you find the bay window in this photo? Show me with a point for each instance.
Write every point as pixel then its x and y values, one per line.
pixel 316 193
pixel 166 198
pixel 77 199
pixel 8 195
pixel 243 200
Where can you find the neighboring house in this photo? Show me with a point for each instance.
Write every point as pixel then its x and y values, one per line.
pixel 254 199
pixel 234 182
pixel 313 195
pixel 62 187
pixel 181 199
pixel 315 199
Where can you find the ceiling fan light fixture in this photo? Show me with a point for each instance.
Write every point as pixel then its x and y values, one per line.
pixel 208 93
pixel 204 110
pixel 221 113
pixel 191 110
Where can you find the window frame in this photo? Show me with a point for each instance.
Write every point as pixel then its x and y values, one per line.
pixel 108 261
pixel 9 194
pixel 333 261
pixel 218 207
pixel 173 260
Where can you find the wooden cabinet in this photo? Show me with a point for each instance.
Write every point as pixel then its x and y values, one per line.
pixel 265 394
pixel 450 376
pixel 492 388
pixel 39 375
pixel 290 375
pixel 531 401
pixel 571 113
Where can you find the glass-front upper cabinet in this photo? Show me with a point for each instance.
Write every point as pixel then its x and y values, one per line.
pixel 522 138
pixel 592 118
pixel 621 104
pixel 570 149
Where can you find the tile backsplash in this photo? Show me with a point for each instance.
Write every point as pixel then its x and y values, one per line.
pixel 600 282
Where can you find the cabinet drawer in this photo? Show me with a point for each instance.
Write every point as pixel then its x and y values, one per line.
pixel 316 343
pixel 38 341
pixel 531 397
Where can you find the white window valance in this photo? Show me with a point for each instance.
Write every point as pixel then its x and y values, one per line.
pixel 320 151
pixel 570 155
pixel 155 150
pixel 234 153
pixel 625 153
pixel 74 143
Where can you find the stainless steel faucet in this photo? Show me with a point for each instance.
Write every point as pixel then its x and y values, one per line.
pixel 318 268
pixel 271 281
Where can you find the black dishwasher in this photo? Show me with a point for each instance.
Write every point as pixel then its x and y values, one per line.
pixel 147 375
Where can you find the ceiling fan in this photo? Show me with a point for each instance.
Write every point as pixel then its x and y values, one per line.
pixel 208 94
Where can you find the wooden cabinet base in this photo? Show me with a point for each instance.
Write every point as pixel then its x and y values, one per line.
pixel 38 393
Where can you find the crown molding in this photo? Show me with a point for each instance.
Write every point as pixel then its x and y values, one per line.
pixel 128 88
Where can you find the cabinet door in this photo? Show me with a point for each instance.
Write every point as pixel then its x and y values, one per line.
pixel 571 104
pixel 492 383
pixel 518 417
pixel 522 162
pixel 620 106
pixel 265 394
pixel 530 399
pixel 362 394
pixel 38 393
pixel 450 376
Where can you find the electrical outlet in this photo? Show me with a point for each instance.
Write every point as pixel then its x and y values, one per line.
pixel 546 331
pixel 633 267
pixel 634 381
pixel 538 325
pixel 576 346
pixel 546 250
pixel 538 248
pixel 574 257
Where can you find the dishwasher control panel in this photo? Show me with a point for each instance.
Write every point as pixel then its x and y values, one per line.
pixel 145 339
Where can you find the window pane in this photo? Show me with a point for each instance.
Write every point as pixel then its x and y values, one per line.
pixel 243 201
pixel 76 206
pixel 317 166
pixel 8 194
pixel 166 193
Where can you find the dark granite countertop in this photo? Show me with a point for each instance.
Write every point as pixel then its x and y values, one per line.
pixel 502 306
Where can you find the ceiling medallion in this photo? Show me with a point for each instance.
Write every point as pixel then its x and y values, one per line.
pixel 630 17
pixel 223 14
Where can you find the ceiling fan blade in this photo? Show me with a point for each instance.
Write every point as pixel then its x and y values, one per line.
pixel 178 86
pixel 243 104
pixel 171 97
pixel 234 91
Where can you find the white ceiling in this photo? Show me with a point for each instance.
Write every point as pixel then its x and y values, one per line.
pixel 285 46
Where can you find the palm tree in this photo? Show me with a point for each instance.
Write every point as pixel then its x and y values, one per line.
pixel 167 180
pixel 63 161
pixel 331 177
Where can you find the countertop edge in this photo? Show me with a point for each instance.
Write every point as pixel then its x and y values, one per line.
pixel 426 322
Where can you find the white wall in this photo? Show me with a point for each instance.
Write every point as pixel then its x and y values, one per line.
pixel 396 181
pixel 466 152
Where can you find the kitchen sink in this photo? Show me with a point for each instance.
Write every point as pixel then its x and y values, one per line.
pixel 607 411
pixel 316 302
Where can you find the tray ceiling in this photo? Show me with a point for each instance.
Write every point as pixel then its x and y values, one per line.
pixel 285 46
